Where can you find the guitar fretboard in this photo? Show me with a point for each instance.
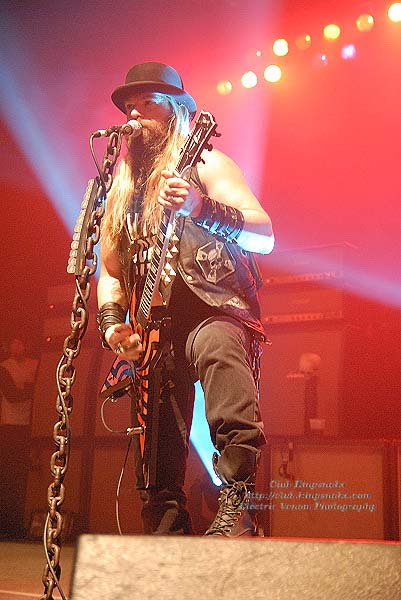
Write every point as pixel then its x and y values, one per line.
pixel 197 140
pixel 155 268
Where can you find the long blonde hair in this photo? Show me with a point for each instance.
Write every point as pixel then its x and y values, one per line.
pixel 122 190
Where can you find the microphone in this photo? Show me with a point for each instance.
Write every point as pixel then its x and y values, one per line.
pixel 132 128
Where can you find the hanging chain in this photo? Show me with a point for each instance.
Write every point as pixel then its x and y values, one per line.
pixel 65 374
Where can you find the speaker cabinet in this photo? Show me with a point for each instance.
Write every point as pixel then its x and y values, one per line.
pixel 327 490
pixel 110 567
pixel 44 413
pixel 108 460
pixel 39 478
pixel 325 361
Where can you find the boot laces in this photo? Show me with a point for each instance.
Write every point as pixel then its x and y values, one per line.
pixel 232 502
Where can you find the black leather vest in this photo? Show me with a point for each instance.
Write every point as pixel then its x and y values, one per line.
pixel 221 274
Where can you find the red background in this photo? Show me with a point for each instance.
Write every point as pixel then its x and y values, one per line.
pixel 320 149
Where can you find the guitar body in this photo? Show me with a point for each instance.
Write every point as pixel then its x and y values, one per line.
pixel 148 386
pixel 156 342
pixel 142 380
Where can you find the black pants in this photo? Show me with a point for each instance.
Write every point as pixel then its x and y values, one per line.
pixel 217 351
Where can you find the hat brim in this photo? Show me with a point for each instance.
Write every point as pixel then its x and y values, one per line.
pixel 123 92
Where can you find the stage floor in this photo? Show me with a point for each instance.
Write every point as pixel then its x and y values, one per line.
pixel 22 563
pixel 21 569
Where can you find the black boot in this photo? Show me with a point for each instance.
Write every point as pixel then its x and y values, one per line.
pixel 164 514
pixel 236 468
pixel 233 519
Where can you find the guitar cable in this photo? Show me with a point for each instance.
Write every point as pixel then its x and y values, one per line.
pixel 129 432
pixel 117 504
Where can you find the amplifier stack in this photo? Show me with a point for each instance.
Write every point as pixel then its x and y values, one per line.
pixel 320 374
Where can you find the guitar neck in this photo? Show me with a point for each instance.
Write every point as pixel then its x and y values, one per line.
pixel 155 268
pixel 197 140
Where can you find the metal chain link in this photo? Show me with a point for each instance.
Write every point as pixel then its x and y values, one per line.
pixel 65 375
pixel 256 351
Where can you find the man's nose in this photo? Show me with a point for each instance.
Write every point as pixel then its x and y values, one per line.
pixel 134 114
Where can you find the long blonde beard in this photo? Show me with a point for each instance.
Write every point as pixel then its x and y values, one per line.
pixel 126 182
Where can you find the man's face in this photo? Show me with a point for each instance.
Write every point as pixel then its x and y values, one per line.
pixel 153 111
pixel 147 106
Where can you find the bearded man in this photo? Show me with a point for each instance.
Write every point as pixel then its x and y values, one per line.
pixel 212 300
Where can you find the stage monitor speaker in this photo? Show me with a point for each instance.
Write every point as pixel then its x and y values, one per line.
pixel 304 360
pixel 327 490
pixel 171 568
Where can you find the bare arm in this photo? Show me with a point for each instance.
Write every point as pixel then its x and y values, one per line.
pixel 110 290
pixel 225 183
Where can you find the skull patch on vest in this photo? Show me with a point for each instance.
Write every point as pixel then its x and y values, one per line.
pixel 214 261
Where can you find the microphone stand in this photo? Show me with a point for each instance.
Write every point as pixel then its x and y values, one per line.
pixel 82 263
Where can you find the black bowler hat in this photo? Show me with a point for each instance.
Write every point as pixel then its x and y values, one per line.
pixel 153 77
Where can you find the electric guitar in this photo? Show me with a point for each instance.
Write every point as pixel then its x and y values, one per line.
pixel 142 377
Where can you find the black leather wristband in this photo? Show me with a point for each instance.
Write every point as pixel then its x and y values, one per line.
pixel 110 313
pixel 220 219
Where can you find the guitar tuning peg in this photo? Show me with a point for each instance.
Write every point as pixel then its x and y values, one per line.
pixel 217 134
pixel 208 146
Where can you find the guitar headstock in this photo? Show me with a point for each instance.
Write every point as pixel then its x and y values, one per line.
pixel 198 140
